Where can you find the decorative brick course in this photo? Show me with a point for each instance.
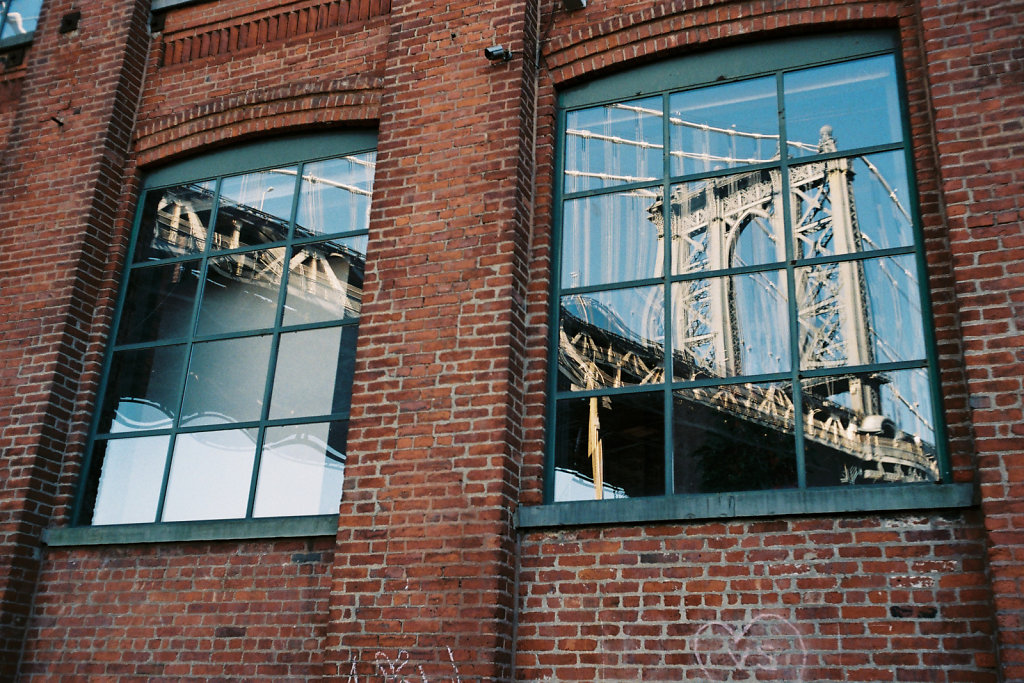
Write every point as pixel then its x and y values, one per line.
pixel 255 29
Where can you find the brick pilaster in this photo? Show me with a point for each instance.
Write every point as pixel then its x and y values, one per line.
pixel 59 186
pixel 977 85
pixel 424 571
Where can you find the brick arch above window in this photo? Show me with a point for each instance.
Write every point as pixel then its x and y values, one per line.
pixel 606 39
pixel 263 111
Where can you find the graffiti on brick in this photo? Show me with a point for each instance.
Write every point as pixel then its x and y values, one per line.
pixel 766 647
pixel 397 669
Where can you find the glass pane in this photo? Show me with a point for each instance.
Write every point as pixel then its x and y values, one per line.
pixel 226 381
pixel 894 300
pixel 848 205
pixel 335 195
pixel 158 303
pixel 724 126
pixel 842 106
pixel 255 208
pixel 314 372
pixel 241 291
pixel 869 428
pixel 174 221
pixel 612 238
pixel 610 339
pixel 302 470
pixel 734 438
pixel 142 392
pixel 613 144
pixel 210 475
pixel 859 312
pixel 610 447
pixel 131 473
pixel 728 222
pixel 21 17
pixel 325 282
pixel 730 326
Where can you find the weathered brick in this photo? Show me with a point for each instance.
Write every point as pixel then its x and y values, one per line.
pixel 447 435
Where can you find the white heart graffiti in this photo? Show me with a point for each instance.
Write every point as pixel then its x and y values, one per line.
pixel 767 644
pixel 390 669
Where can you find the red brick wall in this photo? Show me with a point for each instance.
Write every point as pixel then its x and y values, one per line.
pixel 866 597
pixel 330 77
pixel 856 598
pixel 10 93
pixel 425 544
pixel 425 579
pixel 976 77
pixel 243 610
pixel 254 26
pixel 66 145
pixel 252 610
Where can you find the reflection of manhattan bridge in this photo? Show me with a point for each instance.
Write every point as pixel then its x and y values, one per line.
pixel 327 275
pixel 247 262
pixel 734 222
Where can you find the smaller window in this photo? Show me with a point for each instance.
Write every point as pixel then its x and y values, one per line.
pixel 18 18
pixel 227 385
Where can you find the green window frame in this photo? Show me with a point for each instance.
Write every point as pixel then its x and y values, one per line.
pixel 773 356
pixel 164 5
pixel 18 19
pixel 226 388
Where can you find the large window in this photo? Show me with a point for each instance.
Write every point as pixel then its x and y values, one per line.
pixel 18 18
pixel 740 289
pixel 226 391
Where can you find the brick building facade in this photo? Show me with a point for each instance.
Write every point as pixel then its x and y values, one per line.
pixel 453 555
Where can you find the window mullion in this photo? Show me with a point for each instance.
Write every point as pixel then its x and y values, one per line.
pixel 668 345
pixel 554 309
pixel 275 342
pixel 791 294
pixel 190 344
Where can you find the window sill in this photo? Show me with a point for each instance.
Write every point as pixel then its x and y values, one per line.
pixel 176 532
pixel 774 503
pixel 16 41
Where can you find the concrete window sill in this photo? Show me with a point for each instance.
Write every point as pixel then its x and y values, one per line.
pixel 178 532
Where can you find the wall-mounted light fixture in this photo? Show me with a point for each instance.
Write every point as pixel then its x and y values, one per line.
pixel 497 53
pixel 571 5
